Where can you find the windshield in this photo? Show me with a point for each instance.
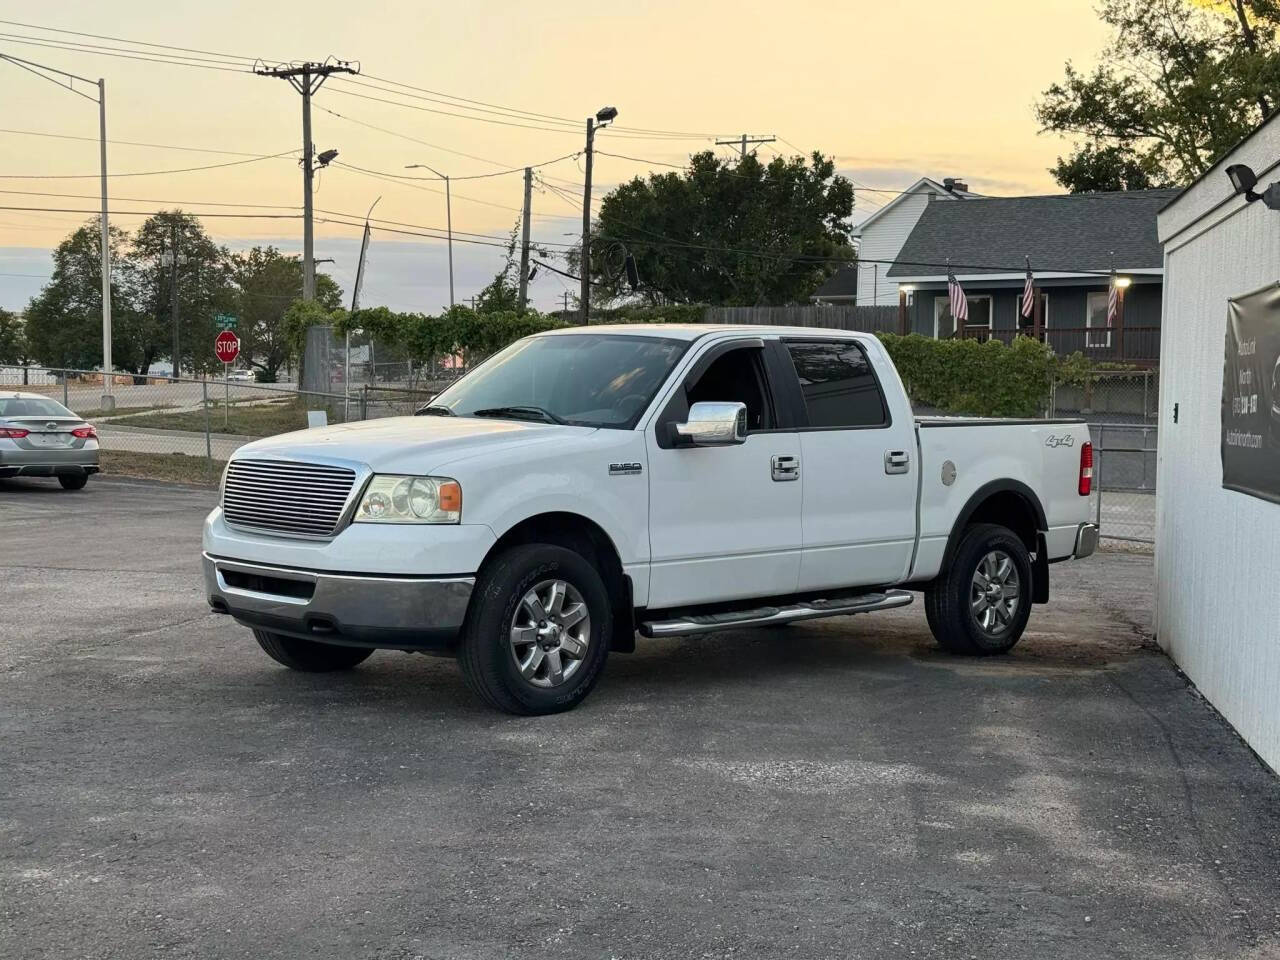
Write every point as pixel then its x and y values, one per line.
pixel 584 379
pixel 32 407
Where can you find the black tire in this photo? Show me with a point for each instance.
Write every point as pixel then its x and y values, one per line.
pixel 309 656
pixel 949 600
pixel 73 481
pixel 486 653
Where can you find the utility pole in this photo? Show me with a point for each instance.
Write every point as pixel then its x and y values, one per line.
pixel 524 241
pixel 173 300
pixel 742 142
pixel 566 301
pixel 307 78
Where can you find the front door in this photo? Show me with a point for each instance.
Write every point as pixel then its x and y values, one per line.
pixel 724 521
pixel 860 470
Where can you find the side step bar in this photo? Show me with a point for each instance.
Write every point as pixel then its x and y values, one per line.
pixel 769 616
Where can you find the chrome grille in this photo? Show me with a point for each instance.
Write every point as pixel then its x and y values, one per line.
pixel 296 499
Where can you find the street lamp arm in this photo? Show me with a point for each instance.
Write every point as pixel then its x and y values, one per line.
pixel 32 67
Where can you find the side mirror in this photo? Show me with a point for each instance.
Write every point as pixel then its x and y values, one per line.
pixel 713 425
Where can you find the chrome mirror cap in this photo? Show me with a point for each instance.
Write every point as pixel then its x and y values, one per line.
pixel 714 425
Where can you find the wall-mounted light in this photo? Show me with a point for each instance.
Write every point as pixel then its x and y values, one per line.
pixel 907 289
pixel 1122 283
pixel 1243 180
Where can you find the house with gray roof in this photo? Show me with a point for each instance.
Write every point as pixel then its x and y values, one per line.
pixel 879 238
pixel 1073 242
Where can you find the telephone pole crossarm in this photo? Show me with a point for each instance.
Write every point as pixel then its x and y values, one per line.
pixel 743 142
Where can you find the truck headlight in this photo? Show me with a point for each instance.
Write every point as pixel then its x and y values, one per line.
pixel 395 499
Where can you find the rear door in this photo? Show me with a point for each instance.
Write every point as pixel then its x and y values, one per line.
pixel 860 470
pixel 724 522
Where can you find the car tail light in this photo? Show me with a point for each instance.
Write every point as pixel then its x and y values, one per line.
pixel 1086 469
pixel 13 433
pixel 85 433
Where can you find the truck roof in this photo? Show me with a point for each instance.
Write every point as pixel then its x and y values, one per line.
pixel 692 331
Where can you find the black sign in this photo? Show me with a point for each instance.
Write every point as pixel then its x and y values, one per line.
pixel 1251 395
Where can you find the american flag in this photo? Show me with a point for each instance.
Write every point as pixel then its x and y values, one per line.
pixel 1113 301
pixel 959 303
pixel 1029 292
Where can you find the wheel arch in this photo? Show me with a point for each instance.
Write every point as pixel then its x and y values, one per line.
pixel 577 532
pixel 1009 503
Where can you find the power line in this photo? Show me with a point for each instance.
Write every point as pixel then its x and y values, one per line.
pixel 135 143
pixel 119 56
pixel 206 203
pixel 474 176
pixel 161 213
pixel 136 43
pixel 139 173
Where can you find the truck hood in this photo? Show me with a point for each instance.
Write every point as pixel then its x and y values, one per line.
pixel 412 445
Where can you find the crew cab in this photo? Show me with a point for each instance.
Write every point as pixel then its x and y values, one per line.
pixel 588 484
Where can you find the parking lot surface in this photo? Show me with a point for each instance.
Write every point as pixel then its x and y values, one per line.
pixel 837 789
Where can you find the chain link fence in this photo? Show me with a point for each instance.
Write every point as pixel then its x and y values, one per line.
pixel 1121 409
pixel 186 429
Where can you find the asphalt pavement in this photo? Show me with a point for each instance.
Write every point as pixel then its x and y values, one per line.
pixel 838 789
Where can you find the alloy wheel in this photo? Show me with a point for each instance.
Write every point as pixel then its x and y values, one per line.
pixel 550 633
pixel 995 592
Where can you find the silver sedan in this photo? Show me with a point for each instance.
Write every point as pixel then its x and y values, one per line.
pixel 40 437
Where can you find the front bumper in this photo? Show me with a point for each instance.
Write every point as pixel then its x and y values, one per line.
pixel 1086 540
pixel 400 612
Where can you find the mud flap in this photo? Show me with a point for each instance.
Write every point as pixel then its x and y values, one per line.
pixel 1040 572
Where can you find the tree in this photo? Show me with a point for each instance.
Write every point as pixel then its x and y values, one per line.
pixel 1095 167
pixel 721 232
pixel 203 283
pixel 64 320
pixel 1181 83
pixel 267 283
pixel 13 340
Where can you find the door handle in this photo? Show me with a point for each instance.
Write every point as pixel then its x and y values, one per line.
pixel 897 461
pixel 785 468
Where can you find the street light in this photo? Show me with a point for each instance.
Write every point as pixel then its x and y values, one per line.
pixel 604 116
pixel 108 403
pixel 448 213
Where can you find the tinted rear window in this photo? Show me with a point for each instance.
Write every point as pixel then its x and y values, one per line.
pixel 32 407
pixel 839 386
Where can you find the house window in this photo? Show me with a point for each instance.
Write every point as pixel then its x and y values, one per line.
pixel 1030 321
pixel 1096 317
pixel 944 326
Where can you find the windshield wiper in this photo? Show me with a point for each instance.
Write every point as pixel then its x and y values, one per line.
pixel 520 413
pixel 433 410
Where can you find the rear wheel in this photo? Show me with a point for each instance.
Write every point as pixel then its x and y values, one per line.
pixel 73 481
pixel 309 656
pixel 981 604
pixel 538 633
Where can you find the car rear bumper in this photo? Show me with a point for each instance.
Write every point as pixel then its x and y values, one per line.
pixel 47 463
pixel 401 612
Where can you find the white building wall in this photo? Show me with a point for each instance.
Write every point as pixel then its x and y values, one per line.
pixel 883 240
pixel 1217 551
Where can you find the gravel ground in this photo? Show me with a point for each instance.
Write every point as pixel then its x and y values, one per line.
pixel 836 789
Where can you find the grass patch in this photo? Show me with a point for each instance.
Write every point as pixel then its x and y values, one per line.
pixel 118 411
pixel 256 420
pixel 172 467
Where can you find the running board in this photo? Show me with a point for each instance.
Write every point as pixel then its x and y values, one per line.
pixel 771 616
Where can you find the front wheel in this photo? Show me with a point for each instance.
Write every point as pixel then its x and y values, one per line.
pixel 981 605
pixel 309 656
pixel 539 630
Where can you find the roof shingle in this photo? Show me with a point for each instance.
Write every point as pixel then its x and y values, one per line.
pixel 1064 233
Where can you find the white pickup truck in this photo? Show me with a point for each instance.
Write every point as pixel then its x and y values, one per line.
pixel 587 484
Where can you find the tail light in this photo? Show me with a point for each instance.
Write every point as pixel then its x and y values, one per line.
pixel 85 433
pixel 13 433
pixel 1086 469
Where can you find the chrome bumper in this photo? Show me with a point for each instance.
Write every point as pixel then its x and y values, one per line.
pixel 370 611
pixel 1086 540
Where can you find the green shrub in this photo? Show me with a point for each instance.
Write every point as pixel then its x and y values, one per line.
pixel 973 378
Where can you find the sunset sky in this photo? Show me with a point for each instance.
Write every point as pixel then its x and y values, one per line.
pixel 892 90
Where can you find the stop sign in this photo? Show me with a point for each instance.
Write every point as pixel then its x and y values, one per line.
pixel 227 346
